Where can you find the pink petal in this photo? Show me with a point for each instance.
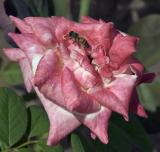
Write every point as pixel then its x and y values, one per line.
pixel 62 122
pixel 18 55
pixel 43 29
pixel 48 77
pixel 98 123
pixel 130 66
pixel 14 54
pixel 21 25
pixel 122 48
pixel 83 71
pixel 45 67
pixel 116 95
pixel 27 73
pixel 29 44
pixel 76 99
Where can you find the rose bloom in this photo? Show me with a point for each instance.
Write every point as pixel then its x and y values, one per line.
pixel 82 72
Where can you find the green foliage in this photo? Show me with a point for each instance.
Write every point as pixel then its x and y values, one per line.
pixel 39 121
pixel 13 117
pixel 23 150
pixel 11 74
pixel 76 144
pixel 149 52
pixel 14 122
pixel 132 132
pixel 42 147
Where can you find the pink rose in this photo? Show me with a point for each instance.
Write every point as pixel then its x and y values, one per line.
pixel 80 71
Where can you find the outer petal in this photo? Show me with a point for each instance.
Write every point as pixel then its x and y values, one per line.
pixel 130 66
pixel 14 54
pixel 43 29
pixel 21 25
pixel 48 77
pixel 62 122
pixel 122 48
pixel 116 96
pixel 33 49
pixel 28 43
pixel 18 55
pixel 27 73
pixel 98 123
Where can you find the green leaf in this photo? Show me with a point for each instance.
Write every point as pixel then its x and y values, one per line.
pixel 3 146
pixel 76 143
pixel 23 150
pixel 13 117
pixel 42 147
pixel 39 121
pixel 11 74
pixel 132 132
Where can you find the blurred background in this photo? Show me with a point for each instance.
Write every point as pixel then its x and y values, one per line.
pixel 137 17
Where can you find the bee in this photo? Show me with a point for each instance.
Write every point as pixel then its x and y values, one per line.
pixel 78 39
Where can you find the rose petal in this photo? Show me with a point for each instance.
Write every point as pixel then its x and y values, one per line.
pixel 62 122
pixel 28 43
pixel 48 77
pixel 14 54
pixel 42 28
pixel 21 25
pixel 116 95
pixel 27 73
pixel 18 55
pixel 130 66
pixel 98 123
pixel 76 99
pixel 83 71
pixel 122 48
